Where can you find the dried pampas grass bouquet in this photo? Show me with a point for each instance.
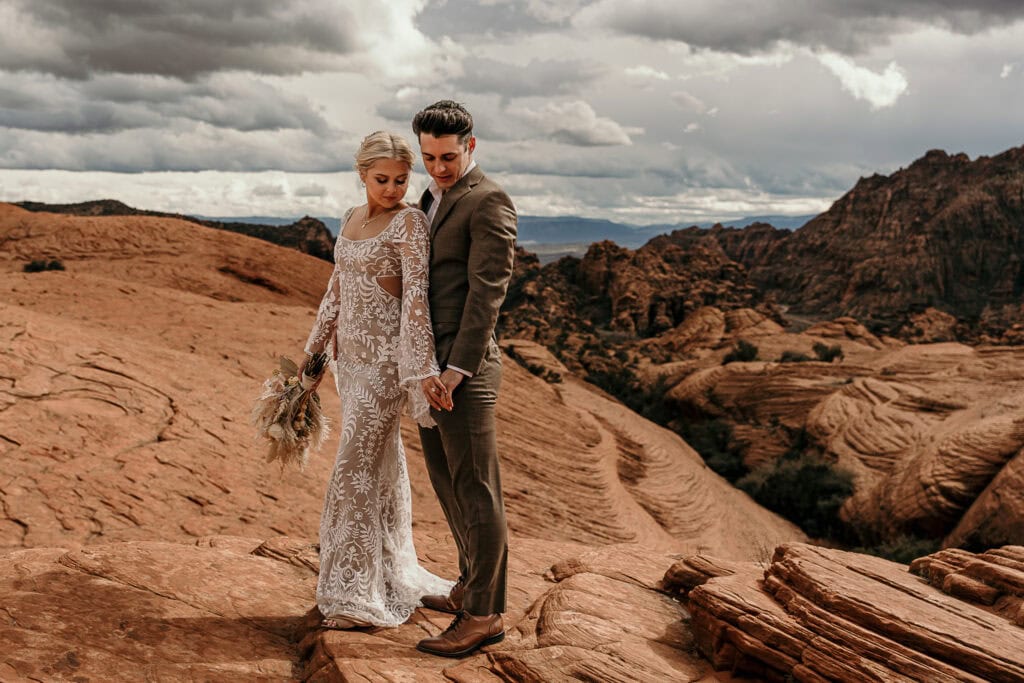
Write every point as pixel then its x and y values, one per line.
pixel 288 414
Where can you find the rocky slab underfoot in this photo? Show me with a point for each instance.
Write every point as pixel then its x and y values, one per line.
pixel 815 614
pixel 236 609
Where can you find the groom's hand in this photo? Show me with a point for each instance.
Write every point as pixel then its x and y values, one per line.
pixel 451 379
pixel 436 393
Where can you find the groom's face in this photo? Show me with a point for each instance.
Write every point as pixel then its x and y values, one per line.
pixel 445 158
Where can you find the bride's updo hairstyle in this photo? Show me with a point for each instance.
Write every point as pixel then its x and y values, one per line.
pixel 382 145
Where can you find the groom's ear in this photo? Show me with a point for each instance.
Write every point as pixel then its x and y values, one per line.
pixel 472 143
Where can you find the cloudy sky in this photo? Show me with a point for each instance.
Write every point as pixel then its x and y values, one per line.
pixel 643 111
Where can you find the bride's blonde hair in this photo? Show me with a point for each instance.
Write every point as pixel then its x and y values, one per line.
pixel 382 145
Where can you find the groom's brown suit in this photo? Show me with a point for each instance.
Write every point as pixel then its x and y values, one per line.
pixel 472 249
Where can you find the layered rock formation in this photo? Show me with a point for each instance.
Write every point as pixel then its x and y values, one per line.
pixel 929 432
pixel 930 253
pixel 307 234
pixel 125 384
pixel 618 306
pixel 814 614
pixel 639 293
pixel 994 579
pixel 944 233
pixel 932 433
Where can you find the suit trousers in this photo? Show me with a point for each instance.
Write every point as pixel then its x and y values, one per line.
pixel 462 461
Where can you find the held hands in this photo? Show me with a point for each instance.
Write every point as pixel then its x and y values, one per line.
pixel 451 379
pixel 437 393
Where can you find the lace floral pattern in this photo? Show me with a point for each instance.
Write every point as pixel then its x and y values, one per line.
pixel 382 347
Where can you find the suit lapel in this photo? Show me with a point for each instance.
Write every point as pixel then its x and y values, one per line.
pixel 452 196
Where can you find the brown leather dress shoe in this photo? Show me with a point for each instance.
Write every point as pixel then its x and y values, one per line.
pixel 466 634
pixel 451 603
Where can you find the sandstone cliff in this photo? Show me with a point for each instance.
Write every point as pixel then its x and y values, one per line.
pixel 945 233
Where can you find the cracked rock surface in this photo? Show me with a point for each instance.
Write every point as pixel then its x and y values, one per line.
pixel 815 614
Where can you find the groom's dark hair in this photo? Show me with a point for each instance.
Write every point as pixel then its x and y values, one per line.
pixel 444 117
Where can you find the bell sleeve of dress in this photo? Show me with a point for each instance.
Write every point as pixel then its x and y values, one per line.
pixel 416 356
pixel 321 337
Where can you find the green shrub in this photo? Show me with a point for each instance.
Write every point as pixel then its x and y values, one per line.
pixel 828 353
pixel 793 357
pixel 743 352
pixel 548 375
pixel 713 439
pixel 623 384
pixel 39 265
pixel 903 549
pixel 805 488
pixel 620 383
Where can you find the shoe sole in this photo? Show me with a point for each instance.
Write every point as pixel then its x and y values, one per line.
pixel 462 653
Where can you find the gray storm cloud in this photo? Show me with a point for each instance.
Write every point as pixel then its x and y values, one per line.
pixel 619 108
pixel 539 77
pixel 181 38
pixel 114 103
pixel 746 27
pixel 182 147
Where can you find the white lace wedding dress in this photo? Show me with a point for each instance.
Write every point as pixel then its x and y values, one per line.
pixel 383 346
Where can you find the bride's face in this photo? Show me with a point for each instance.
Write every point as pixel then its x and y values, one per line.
pixel 386 183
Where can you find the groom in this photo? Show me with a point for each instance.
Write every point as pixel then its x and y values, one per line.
pixel 473 232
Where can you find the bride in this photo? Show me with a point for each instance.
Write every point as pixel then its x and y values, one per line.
pixel 374 321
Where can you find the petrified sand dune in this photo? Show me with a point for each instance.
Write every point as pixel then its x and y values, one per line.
pixel 131 479
pixel 933 433
pixel 164 252
pixel 815 614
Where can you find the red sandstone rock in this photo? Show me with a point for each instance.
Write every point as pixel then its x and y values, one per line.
pixel 932 433
pixel 934 234
pixel 124 393
pixel 821 614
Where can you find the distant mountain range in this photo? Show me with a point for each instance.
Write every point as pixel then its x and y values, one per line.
pixel 549 237
pixel 934 251
pixel 563 230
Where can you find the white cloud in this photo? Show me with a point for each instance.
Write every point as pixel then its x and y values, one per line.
pixel 311 190
pixel 553 11
pixel 273 190
pixel 206 193
pixel 184 147
pixel 575 123
pixel 538 77
pixel 647 72
pixel 596 114
pixel 114 102
pixel 880 90
pixel 397 49
pixel 689 102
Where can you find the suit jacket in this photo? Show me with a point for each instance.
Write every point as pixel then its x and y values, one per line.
pixel 473 238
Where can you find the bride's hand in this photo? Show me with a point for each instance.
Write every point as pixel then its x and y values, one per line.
pixel 437 393
pixel 304 369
